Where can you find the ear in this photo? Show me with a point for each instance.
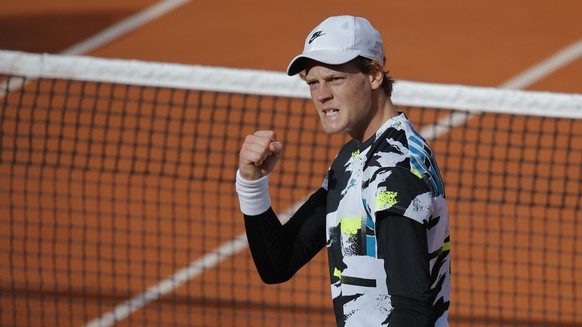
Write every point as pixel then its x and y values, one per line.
pixel 376 77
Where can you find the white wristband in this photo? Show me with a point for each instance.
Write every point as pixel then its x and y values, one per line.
pixel 253 196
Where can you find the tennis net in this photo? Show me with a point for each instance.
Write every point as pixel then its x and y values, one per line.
pixel 117 202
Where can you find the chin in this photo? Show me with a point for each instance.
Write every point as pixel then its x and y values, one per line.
pixel 333 128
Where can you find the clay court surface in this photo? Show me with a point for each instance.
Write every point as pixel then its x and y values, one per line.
pixel 485 43
pixel 453 42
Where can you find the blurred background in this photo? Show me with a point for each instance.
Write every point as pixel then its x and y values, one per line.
pixel 483 43
pixel 107 189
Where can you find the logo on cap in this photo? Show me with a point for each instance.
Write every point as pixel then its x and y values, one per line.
pixel 315 36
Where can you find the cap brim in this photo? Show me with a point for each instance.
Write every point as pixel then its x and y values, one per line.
pixel 326 57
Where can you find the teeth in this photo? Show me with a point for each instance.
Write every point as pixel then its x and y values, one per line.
pixel 332 112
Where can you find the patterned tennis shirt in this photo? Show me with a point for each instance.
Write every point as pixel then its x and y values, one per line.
pixel 394 171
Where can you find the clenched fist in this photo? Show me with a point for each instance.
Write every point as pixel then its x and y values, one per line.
pixel 259 154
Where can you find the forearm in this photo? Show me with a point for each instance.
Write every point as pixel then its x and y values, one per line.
pixel 280 250
pixel 269 247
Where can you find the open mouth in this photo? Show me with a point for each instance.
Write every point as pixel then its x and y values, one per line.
pixel 331 112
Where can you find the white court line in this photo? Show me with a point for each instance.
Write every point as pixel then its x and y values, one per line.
pixel 535 73
pixel 546 67
pixel 167 285
pixel 182 276
pixel 231 248
pixel 125 26
pixel 114 31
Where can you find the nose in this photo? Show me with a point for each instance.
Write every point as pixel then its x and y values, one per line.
pixel 324 93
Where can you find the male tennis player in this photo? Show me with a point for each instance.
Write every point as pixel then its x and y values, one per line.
pixel 381 211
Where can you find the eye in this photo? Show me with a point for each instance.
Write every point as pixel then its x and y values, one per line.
pixel 337 79
pixel 311 84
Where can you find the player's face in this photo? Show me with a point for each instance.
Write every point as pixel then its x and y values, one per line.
pixel 342 95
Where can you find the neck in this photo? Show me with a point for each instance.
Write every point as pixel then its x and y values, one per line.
pixel 386 111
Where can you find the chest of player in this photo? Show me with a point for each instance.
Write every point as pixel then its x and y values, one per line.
pixel 350 224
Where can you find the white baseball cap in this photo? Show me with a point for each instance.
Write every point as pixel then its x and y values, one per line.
pixel 337 40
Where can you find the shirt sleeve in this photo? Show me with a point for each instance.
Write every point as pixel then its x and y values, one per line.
pixel 280 250
pixel 402 243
